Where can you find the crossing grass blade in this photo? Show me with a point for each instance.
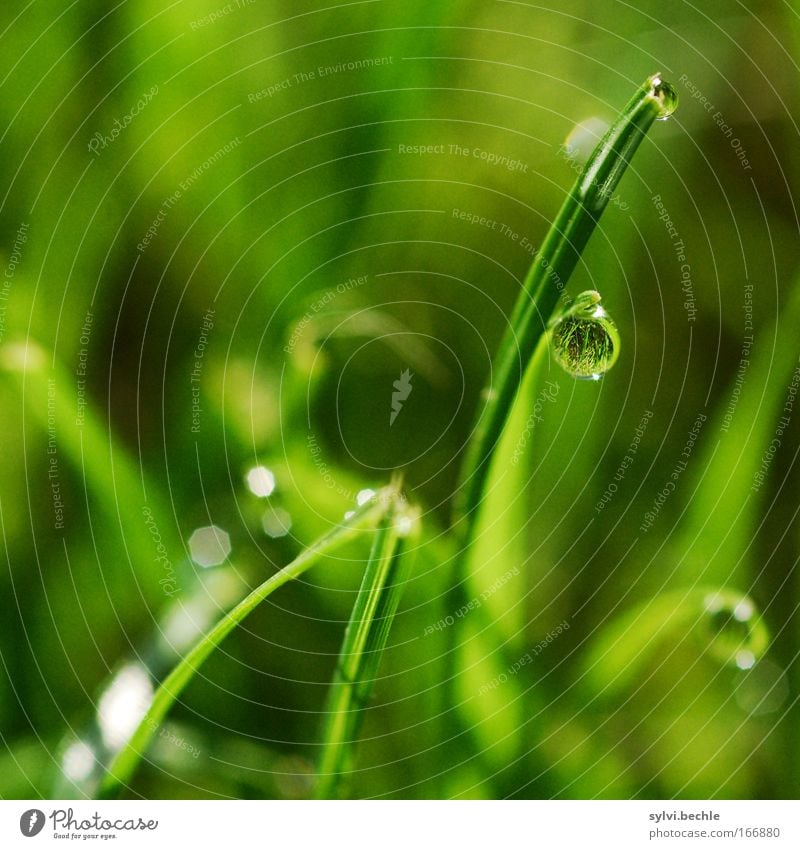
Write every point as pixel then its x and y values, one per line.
pixel 123 765
pixel 362 649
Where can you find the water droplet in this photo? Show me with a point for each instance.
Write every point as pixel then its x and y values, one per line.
pixel 209 546
pixel 732 630
pixel 665 95
pixel 261 481
pixel 407 521
pixel 364 496
pixel 584 340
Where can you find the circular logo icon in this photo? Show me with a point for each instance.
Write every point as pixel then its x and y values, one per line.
pixel 31 822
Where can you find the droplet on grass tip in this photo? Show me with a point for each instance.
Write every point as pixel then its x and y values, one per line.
pixel 584 340
pixel 665 94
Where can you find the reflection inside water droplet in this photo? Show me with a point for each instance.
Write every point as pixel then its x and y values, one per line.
pixel 584 339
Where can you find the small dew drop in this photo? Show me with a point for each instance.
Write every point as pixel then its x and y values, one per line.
pixel 407 522
pixel 665 94
pixel 209 546
pixel 261 481
pixel 584 339
pixel 364 496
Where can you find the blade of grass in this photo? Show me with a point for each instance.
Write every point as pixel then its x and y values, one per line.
pixel 123 765
pixel 533 310
pixel 362 648
pixel 547 277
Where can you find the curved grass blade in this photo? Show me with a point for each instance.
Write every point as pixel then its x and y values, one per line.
pixel 89 747
pixel 547 277
pixel 499 563
pixel 364 642
pixel 536 304
pixel 131 752
pixel 724 622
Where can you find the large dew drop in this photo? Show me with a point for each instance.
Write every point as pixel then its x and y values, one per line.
pixel 584 340
pixel 732 629
pixel 665 95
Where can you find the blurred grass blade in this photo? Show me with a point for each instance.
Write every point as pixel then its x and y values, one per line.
pixel 521 741
pixel 112 479
pixel 547 277
pixel 364 642
pixel 499 563
pixel 124 763
pixel 733 477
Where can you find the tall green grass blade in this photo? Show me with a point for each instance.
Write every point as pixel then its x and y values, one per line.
pixel 536 304
pixel 360 655
pixel 547 277
pixel 125 762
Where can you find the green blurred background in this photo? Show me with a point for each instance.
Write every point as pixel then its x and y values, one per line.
pixel 161 163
